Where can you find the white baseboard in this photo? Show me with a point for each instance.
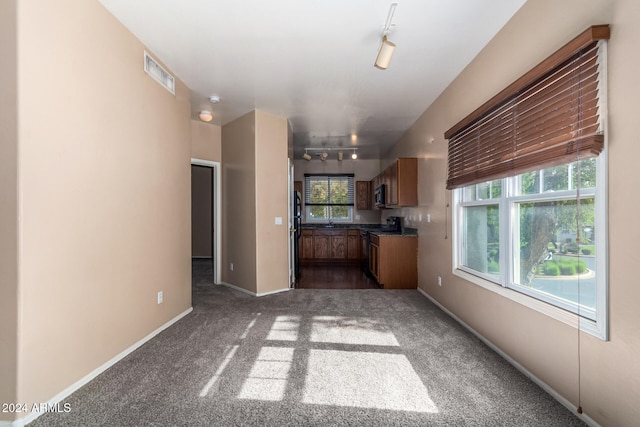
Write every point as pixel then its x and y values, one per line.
pixel 557 396
pixel 91 375
pixel 238 288
pixel 273 292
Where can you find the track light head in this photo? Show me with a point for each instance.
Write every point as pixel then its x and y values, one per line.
pixel 384 54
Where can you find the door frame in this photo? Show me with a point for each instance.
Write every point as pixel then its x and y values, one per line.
pixel 292 233
pixel 216 226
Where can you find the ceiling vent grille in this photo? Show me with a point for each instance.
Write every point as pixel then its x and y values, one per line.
pixel 161 75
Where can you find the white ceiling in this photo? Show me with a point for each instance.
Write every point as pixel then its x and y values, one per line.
pixel 312 60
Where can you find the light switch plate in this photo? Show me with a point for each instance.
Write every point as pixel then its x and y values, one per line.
pixel 278 220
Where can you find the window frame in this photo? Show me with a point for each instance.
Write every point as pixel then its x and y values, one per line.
pixel 330 220
pixel 504 284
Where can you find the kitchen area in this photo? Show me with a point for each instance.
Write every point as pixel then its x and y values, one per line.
pixel 371 247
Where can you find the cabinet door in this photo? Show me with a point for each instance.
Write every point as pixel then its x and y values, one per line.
pixel 306 248
pixel 363 195
pixel 391 175
pixel 321 246
pixel 339 247
pixel 353 245
pixel 374 261
pixel 407 182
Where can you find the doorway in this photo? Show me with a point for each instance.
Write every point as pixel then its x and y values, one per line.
pixel 205 222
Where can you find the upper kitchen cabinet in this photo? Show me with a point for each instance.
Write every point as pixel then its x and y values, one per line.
pixel 363 195
pixel 401 182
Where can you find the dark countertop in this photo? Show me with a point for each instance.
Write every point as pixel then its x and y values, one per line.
pixel 378 229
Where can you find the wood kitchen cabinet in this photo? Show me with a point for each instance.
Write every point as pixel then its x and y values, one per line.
pixel 393 260
pixel 338 244
pixel 353 245
pixel 363 195
pixel 306 248
pixel 322 245
pixel 401 182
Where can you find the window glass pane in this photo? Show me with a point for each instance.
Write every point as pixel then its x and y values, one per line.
pixel 530 183
pixel 339 191
pixel 483 191
pixel 318 191
pixel 583 174
pixel 339 212
pixel 555 178
pixel 480 248
pixel 556 249
pixel 318 212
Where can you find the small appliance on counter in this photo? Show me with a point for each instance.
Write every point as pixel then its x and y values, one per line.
pixel 394 224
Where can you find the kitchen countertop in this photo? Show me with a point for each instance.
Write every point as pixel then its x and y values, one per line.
pixel 372 228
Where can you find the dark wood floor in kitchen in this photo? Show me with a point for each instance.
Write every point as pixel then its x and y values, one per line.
pixel 334 276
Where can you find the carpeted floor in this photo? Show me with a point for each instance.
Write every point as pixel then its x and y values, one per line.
pixel 312 358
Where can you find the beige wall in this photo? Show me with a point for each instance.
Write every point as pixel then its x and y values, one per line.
pixel 98 238
pixel 254 180
pixel 363 170
pixel 206 141
pixel 272 200
pixel 610 388
pixel 8 206
pixel 239 203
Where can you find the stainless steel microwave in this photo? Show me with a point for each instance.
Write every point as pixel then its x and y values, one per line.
pixel 379 196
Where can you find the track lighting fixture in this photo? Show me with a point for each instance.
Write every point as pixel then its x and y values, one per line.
pixel 323 153
pixel 384 55
pixel 387 47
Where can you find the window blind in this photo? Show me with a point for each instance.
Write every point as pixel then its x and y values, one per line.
pixel 549 116
pixel 329 190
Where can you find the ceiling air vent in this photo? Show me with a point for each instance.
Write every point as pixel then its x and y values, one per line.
pixel 161 75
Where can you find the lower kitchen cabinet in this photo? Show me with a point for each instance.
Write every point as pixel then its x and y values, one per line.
pixel 306 248
pixel 393 260
pixel 353 245
pixel 322 245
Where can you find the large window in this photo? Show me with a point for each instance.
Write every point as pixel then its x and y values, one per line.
pixel 528 170
pixel 541 233
pixel 329 198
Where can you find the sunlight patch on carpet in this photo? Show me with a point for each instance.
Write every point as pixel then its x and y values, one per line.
pixel 268 377
pixel 284 328
pixel 351 330
pixel 365 380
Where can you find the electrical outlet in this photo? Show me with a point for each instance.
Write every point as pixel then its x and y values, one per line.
pixel 160 297
pixel 439 281
pixel 231 266
pixel 428 217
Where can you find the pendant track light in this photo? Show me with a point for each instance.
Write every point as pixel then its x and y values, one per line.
pixel 384 55
pixel 387 47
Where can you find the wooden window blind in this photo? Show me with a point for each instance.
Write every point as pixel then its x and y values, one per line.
pixel 549 116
